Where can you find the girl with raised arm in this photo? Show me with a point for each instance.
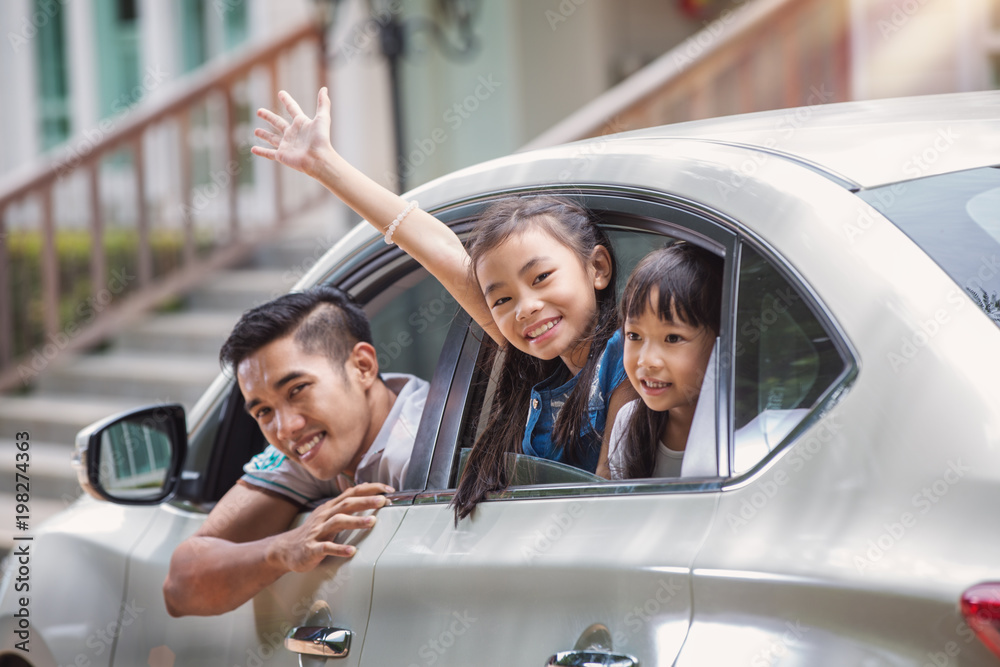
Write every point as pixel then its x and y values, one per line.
pixel 539 279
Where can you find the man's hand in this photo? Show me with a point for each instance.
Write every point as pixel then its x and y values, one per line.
pixel 302 144
pixel 305 547
pixel 245 545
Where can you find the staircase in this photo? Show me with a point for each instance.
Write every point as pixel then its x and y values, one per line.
pixel 167 357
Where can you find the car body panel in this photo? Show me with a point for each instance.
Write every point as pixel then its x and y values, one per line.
pixel 903 138
pixel 102 536
pixel 848 544
pixel 254 632
pixel 514 570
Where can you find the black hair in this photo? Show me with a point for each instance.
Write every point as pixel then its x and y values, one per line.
pixel 487 468
pixel 323 320
pixel 688 282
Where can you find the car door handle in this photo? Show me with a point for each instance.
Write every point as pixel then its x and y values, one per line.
pixel 313 640
pixel 591 658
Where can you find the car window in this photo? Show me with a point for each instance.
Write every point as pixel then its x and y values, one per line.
pixel 785 360
pixel 410 319
pixel 410 314
pixel 954 218
pixel 630 246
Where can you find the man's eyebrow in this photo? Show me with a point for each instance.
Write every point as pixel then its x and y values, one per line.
pixel 528 266
pixel 281 382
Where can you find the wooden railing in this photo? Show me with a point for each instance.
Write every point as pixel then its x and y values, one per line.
pixel 142 165
pixel 766 54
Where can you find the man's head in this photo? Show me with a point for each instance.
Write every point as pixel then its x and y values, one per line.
pixel 305 364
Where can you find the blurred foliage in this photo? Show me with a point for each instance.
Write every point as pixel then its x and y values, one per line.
pixel 79 302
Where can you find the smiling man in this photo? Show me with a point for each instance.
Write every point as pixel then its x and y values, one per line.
pixel 336 429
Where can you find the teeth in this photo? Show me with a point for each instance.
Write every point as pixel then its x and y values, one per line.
pixel 304 448
pixel 535 333
pixel 653 384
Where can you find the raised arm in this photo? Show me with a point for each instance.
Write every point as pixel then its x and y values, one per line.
pixel 245 545
pixel 304 145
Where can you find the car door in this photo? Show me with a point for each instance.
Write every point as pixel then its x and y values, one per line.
pixel 533 570
pixel 410 314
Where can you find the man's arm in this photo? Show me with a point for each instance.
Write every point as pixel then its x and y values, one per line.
pixel 245 545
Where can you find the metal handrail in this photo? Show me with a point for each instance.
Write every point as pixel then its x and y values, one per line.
pixel 217 79
pixel 724 69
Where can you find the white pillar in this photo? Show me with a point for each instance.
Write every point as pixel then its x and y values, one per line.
pixel 359 92
pixel 19 82
pixel 160 43
pixel 81 56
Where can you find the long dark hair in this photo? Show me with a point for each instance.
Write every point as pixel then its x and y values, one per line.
pixel 688 280
pixel 323 319
pixel 487 467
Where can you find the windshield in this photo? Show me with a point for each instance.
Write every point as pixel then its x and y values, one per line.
pixel 954 218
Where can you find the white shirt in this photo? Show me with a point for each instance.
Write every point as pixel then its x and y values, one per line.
pixel 668 461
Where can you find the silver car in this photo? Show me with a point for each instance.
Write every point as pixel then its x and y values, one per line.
pixel 836 505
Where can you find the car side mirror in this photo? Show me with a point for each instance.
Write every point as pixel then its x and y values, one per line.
pixel 135 457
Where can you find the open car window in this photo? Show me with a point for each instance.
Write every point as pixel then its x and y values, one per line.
pixel 633 238
pixel 410 315
pixel 777 360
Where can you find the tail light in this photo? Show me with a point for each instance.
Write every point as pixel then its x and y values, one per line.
pixel 981 609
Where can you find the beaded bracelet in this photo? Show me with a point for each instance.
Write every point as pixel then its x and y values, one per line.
pixel 399 218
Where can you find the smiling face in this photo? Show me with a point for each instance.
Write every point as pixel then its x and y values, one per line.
pixel 311 411
pixel 542 296
pixel 666 361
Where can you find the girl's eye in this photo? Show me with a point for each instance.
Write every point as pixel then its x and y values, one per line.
pixel 631 335
pixel 297 388
pixel 502 300
pixel 261 413
pixel 541 277
pixel 673 338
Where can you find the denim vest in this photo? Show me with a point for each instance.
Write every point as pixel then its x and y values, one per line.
pixel 547 400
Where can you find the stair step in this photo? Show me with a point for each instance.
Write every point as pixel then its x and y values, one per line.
pixel 50 470
pixel 241 289
pixel 192 332
pixel 308 239
pixel 57 418
pixel 151 378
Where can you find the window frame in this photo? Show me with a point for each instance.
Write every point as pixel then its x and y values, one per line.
pixel 620 209
pixel 833 393
pixel 625 209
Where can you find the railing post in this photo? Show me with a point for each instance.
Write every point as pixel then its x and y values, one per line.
pixel 6 316
pixel 231 159
pixel 187 210
pixel 279 193
pixel 142 214
pixel 841 74
pixel 98 259
pixel 50 264
pixel 791 66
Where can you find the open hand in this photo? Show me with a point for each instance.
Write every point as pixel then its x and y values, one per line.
pixel 302 143
pixel 305 547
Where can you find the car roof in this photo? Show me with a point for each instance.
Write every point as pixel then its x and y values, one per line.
pixel 868 143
